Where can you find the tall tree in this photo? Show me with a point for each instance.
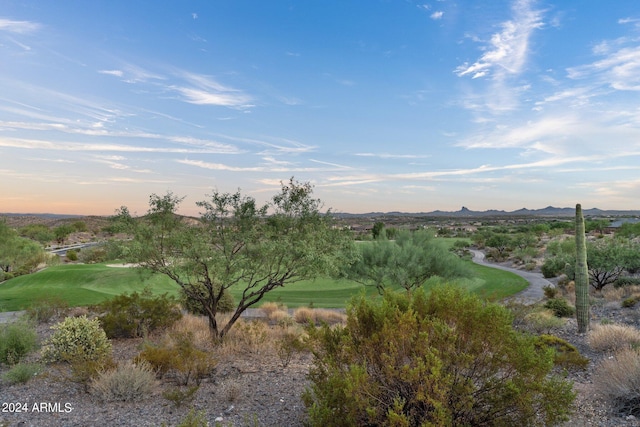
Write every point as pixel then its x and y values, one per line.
pixel 236 243
pixel 582 274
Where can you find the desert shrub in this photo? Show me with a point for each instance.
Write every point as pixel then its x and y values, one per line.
pixel 194 419
pixel 447 358
pixel 304 315
pixel 127 382
pixel 553 266
pixel 550 291
pixel 197 327
pixel 560 307
pixel 47 307
pixel 543 321
pixel 566 354
pixel 16 341
pixel 268 308
pixel 22 372
pixel 629 302
pixel 289 344
pixel 135 315
pixel 625 281
pixel 76 339
pixel 250 336
pixel 72 255
pixel 178 354
pixel 613 337
pixel 618 380
pixel 94 255
pixel 179 396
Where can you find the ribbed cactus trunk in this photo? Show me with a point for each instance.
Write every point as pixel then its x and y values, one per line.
pixel 582 274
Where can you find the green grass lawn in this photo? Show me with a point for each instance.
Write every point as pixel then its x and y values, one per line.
pixel 82 284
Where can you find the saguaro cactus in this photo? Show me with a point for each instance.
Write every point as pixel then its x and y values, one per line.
pixel 582 275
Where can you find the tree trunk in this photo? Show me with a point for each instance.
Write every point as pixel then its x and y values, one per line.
pixel 582 274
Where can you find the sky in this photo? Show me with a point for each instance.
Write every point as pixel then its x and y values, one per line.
pixel 382 105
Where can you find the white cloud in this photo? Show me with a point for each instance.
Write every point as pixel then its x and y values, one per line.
pixel 393 156
pixel 619 69
pixel 18 27
pixel 203 90
pixel 437 15
pixel 508 50
pixel 117 73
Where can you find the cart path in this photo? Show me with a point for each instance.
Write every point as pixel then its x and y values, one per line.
pixel 534 292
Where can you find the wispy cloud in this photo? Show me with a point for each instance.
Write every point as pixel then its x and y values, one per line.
pixel 619 67
pixel 437 15
pixel 392 156
pixel 117 73
pixel 18 27
pixel 508 49
pixel 204 90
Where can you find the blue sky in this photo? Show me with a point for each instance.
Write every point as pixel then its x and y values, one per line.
pixel 390 105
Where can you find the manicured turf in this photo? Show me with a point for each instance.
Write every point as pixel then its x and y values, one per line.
pixel 82 284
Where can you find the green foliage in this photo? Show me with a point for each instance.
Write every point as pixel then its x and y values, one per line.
pixel 550 291
pixel 76 339
pixel 560 307
pixel 179 396
pixel 407 262
pixel 94 254
pixel 625 281
pixel 46 307
pixel 137 314
pixel 443 359
pixel 16 341
pixel 128 382
pixel 629 302
pixel 72 255
pixel 555 266
pixel 235 244
pixel 18 255
pixel 289 344
pixel 193 305
pixel 22 372
pixel 194 419
pixel 181 356
pixel 38 232
pixel 377 229
pixel 61 232
pixel 566 354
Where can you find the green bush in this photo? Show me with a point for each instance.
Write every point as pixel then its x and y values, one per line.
pixel 77 339
pixel 560 307
pixel 550 291
pixel 135 315
pixel 625 281
pixel 629 302
pixel 22 372
pixel 72 255
pixel 566 354
pixel 194 419
pixel 16 341
pixel 447 358
pixel 127 382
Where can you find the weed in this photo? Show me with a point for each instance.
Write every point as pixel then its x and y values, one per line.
pixel 16 340
pixel 613 337
pixel 22 372
pixel 179 396
pixel 128 382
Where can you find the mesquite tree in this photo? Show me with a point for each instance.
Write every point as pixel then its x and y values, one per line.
pixel 237 244
pixel 582 274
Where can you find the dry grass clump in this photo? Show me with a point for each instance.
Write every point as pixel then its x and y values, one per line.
pixel 613 337
pixel 543 321
pixel 127 382
pixel 618 379
pixel 246 336
pixel 318 315
pixel 197 326
pixel 268 308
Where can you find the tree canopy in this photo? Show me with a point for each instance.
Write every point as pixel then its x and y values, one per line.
pixel 237 243
pixel 407 262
